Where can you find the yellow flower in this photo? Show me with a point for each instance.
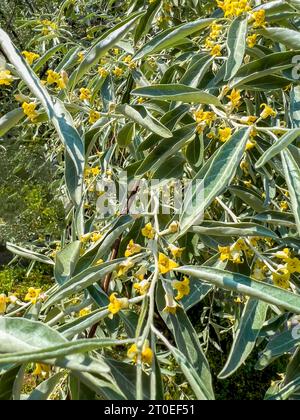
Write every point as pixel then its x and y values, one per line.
pixel 251 119
pixel 239 300
pixel 225 252
pixel 128 60
pixel 251 40
pixel 174 227
pixel 102 72
pixel 132 249
pixel 80 56
pixel 85 238
pixel 94 117
pixel 233 253
pixel 85 94
pixel 41 370
pixel 116 305
pixel 30 56
pixel 84 312
pixel 33 295
pixel 165 264
pixel 171 304
pixel 146 354
pixel 209 44
pixel 281 278
pixel 29 110
pixel 259 271
pixel 55 78
pixel 3 302
pixel 182 287
pixel 96 236
pixel 142 287
pixel 284 206
pixel 244 165
pixel 215 30
pixel 52 77
pixel 248 183
pixel 176 252
pixel 148 231
pixel 293 265
pixel 250 145
pixel 5 77
pixel 284 254
pixel 235 98
pixel 118 72
pixel 48 26
pixel 204 117
pixel 216 51
pixel 125 267
pixel 267 112
pixel 259 18
pixel 225 134
pixel 61 83
pixel 95 171
pixel 99 262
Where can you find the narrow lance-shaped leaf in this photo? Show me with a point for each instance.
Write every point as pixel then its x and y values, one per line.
pixel 217 178
pixel 292 176
pixel 23 340
pixel 65 261
pixel 28 253
pixel 166 148
pixel 146 20
pixel 83 280
pixel 171 37
pixel 287 37
pixel 295 103
pixel 236 44
pixel 242 284
pixel 179 93
pixel 141 116
pixel 251 322
pixel 187 343
pixel 278 146
pixel 10 120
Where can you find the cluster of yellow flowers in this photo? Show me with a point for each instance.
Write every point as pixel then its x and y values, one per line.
pixel 91 237
pixel 211 41
pixel 204 119
pixel 234 8
pixel 33 296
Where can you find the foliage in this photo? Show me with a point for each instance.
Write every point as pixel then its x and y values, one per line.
pixel 167 91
